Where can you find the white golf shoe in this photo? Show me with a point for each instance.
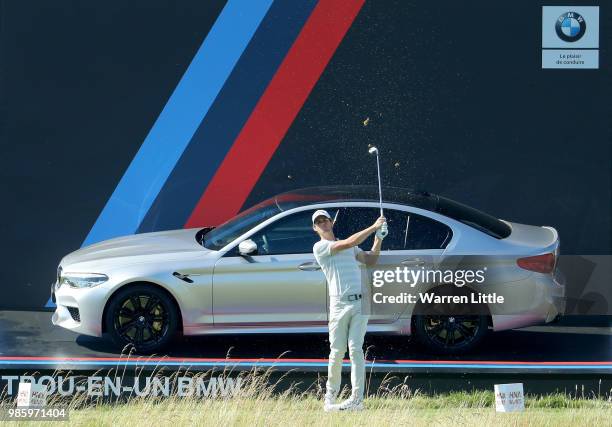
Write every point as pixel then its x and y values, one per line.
pixel 330 406
pixel 351 405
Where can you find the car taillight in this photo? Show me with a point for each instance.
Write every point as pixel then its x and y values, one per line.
pixel 540 263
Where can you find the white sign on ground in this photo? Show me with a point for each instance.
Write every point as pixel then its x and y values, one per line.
pixel 509 397
pixel 32 395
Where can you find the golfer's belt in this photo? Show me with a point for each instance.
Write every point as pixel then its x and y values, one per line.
pixel 351 297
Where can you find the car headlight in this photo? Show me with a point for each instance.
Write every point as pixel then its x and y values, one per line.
pixel 82 280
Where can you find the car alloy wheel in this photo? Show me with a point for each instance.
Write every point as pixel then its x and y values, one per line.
pixel 141 319
pixel 448 334
pixel 451 331
pixel 451 328
pixel 142 316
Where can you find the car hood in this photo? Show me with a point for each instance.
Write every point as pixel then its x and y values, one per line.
pixel 170 244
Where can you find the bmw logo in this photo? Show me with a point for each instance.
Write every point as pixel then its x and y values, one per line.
pixel 570 26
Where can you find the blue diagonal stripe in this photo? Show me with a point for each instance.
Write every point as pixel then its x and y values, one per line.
pixel 228 114
pixel 179 119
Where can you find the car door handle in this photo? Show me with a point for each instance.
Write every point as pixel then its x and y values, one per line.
pixel 417 262
pixel 309 266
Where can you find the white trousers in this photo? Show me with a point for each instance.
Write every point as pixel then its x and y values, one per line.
pixel 347 326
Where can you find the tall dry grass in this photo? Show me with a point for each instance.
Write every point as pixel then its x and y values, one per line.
pixel 261 401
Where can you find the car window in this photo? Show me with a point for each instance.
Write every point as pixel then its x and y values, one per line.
pixel 353 219
pixel 292 234
pixel 473 217
pixel 426 233
pixel 407 231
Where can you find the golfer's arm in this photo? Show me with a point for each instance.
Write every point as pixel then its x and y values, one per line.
pixel 354 240
pixel 371 256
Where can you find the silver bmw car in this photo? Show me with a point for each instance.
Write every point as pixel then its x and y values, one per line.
pixel 256 273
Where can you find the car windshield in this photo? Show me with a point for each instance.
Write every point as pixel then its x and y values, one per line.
pixel 237 226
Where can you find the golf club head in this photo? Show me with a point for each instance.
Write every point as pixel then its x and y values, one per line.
pixel 373 150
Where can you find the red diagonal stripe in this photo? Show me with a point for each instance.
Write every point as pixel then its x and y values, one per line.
pixel 275 111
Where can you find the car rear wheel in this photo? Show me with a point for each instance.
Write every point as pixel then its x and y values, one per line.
pixel 451 328
pixel 450 334
pixel 141 316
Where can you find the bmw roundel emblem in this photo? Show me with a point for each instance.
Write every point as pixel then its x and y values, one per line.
pixel 570 26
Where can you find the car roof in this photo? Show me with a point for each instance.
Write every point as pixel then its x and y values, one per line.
pixel 403 196
pixel 356 193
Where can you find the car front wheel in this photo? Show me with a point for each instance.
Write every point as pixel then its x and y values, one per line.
pixel 141 316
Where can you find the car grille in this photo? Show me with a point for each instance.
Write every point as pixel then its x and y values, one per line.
pixel 74 313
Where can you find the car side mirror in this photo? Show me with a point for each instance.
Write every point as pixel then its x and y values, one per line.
pixel 247 247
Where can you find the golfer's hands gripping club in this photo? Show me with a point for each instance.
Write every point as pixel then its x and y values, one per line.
pixel 381 227
pixel 382 232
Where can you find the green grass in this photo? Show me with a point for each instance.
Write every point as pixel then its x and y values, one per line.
pixel 452 409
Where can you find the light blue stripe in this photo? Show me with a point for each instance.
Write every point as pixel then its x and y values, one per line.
pixel 302 364
pixel 179 119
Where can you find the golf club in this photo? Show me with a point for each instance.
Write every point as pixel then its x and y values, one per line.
pixel 374 150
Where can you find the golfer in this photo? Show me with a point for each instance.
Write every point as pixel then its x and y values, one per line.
pixel 347 324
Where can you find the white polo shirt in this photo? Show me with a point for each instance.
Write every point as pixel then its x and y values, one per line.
pixel 341 269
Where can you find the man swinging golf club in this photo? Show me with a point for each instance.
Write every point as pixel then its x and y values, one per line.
pixel 347 324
